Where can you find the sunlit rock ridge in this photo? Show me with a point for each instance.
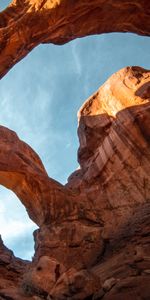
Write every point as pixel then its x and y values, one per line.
pixel 27 23
pixel 93 237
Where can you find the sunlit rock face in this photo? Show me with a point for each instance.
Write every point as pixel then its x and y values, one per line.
pixel 93 237
pixel 27 23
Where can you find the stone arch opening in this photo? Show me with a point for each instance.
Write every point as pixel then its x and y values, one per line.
pixel 16 228
pixel 51 126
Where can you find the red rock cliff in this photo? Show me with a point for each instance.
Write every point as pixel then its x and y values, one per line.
pixel 93 237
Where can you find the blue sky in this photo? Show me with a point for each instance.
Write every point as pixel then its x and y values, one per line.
pixel 39 99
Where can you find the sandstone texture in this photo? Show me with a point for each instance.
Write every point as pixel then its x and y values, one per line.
pixel 93 240
pixel 27 23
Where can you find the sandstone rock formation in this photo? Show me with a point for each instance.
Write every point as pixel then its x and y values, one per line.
pixel 94 233
pixel 27 23
pixel 93 237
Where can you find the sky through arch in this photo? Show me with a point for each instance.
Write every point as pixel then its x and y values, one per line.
pixel 15 226
pixel 40 96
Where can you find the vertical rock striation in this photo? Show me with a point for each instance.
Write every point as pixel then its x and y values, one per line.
pixel 93 237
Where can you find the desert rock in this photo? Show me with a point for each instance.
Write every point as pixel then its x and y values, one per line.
pixel 27 23
pixel 93 237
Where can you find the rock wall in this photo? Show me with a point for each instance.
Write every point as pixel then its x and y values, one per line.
pixel 93 237
pixel 27 23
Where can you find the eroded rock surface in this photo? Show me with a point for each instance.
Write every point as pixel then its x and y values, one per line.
pixel 27 23
pixel 94 233
pixel 11 272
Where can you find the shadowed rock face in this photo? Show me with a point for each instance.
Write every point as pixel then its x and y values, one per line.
pixel 93 237
pixel 27 23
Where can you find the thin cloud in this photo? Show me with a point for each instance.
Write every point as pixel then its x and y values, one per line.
pixel 76 56
pixel 14 228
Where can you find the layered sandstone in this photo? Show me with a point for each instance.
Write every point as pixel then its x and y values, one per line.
pixel 93 237
pixel 27 23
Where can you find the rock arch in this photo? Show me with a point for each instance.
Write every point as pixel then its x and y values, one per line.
pixel 101 217
pixel 96 207
pixel 22 171
pixel 27 23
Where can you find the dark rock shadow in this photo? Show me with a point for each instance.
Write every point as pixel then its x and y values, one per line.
pixel 144 91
